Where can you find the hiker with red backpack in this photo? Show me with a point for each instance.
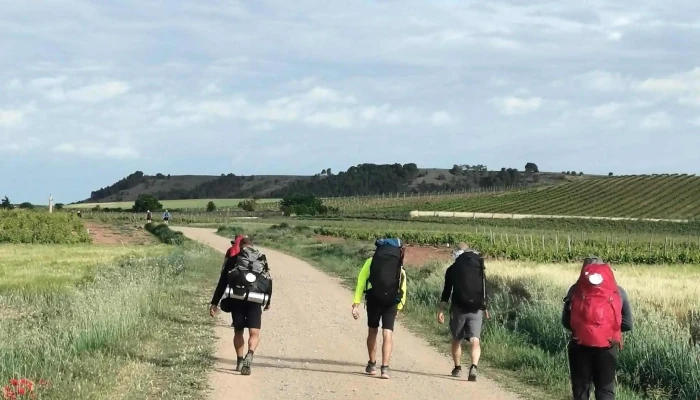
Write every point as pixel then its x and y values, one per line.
pixel 382 279
pixel 465 287
pixel 597 312
pixel 244 290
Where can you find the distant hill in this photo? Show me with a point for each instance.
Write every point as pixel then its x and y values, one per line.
pixel 363 179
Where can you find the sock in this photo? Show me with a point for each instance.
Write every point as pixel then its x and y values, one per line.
pixel 373 362
pixel 239 359
pixel 458 366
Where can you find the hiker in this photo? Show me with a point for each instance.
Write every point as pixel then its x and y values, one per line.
pixel 465 287
pixel 593 349
pixel 228 256
pixel 383 281
pixel 149 218
pixel 244 290
pixel 166 217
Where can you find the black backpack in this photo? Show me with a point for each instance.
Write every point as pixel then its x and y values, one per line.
pixel 250 273
pixel 469 282
pixel 385 276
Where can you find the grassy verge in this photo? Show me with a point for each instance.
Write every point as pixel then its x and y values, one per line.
pixel 524 338
pixel 107 322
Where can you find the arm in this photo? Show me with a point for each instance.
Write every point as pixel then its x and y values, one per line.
pixel 269 294
pixel 446 290
pixel 403 289
pixel 627 320
pixel 220 287
pixel 483 282
pixel 361 281
pixel 566 311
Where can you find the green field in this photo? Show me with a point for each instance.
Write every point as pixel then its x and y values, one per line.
pixel 173 204
pixel 524 336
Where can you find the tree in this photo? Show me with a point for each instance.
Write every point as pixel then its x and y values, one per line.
pixel 303 204
pixel 6 204
pixel 27 205
pixel 146 202
pixel 323 172
pixel 610 174
pixel 58 206
pixel 580 173
pixel 441 177
pixel 456 170
pixel 328 172
pixel 531 167
pixel 211 207
pixel 247 205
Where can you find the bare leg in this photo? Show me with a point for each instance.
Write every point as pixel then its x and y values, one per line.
pixel 387 345
pixel 239 342
pixel 253 339
pixel 475 350
pixel 457 352
pixel 372 344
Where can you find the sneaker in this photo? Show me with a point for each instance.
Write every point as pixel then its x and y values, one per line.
pixel 371 368
pixel 472 373
pixel 247 361
pixel 457 371
pixel 385 371
pixel 239 364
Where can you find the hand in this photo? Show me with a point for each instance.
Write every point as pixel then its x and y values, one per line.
pixel 355 311
pixel 486 313
pixel 267 307
pixel 212 310
pixel 441 317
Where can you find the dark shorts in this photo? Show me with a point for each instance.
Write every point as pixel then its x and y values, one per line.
pixel 246 314
pixel 465 325
pixel 377 312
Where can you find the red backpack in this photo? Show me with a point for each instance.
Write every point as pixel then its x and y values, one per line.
pixel 596 308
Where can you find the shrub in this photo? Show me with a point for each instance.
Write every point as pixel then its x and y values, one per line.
pixel 165 234
pixel 41 227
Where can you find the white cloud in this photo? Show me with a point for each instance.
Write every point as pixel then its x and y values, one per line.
pixel 605 81
pixel 97 150
pixel 441 118
pixel 46 82
pixel 517 105
pixel 11 118
pixel 19 145
pixel 657 120
pixel 695 121
pixel 682 83
pixel 90 94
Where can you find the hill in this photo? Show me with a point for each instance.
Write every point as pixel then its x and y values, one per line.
pixel 672 196
pixel 360 180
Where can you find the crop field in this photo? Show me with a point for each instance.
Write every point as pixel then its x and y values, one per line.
pixel 661 356
pixel 190 204
pixel 19 226
pixel 635 196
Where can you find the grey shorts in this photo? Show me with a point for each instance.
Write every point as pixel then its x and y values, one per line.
pixel 465 325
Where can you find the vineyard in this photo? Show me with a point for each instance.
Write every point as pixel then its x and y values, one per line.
pixel 41 227
pixel 543 248
pixel 634 196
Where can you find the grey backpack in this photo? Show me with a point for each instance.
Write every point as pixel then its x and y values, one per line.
pixel 251 272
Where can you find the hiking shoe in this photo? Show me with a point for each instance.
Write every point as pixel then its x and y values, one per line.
pixel 457 371
pixel 472 373
pixel 239 364
pixel 371 368
pixel 385 371
pixel 247 361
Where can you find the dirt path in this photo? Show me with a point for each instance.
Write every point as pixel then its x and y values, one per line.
pixel 312 348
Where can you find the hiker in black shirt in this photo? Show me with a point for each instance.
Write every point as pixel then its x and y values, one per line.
pixel 245 314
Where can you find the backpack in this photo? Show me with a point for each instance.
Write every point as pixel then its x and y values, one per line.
pixel 385 275
pixel 596 308
pixel 469 281
pixel 250 274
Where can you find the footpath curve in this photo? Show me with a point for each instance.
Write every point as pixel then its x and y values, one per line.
pixel 312 348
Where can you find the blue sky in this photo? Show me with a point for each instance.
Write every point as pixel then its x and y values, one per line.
pixel 92 91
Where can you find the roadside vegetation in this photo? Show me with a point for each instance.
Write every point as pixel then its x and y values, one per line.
pixel 524 336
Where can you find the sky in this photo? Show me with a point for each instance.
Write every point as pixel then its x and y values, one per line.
pixel 93 91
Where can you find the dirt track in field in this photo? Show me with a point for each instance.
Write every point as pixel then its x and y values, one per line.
pixel 312 348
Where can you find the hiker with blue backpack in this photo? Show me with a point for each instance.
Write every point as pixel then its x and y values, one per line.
pixel 244 290
pixel 382 279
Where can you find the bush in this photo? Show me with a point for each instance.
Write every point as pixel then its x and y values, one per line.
pixel 301 204
pixel 211 207
pixel 146 202
pixel 165 234
pixel 247 205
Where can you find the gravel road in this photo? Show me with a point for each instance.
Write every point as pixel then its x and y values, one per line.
pixel 312 348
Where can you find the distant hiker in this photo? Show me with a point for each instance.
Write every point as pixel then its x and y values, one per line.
pixel 383 281
pixel 80 214
pixel 244 288
pixel 596 311
pixel 166 217
pixel 149 217
pixel 465 286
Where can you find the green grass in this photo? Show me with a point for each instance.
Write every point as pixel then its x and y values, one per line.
pixel 107 322
pixel 634 196
pixel 525 337
pixel 173 204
